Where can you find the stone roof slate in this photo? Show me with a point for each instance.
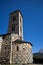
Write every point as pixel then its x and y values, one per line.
pixel 22 41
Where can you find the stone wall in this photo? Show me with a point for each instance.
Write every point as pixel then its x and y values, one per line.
pixel 14 37
pixel 15 23
pixel 22 54
pixel 5 49
pixel 11 22
pixel 0 42
pixel 20 26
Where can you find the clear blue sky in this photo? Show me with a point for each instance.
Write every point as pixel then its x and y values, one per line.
pixel 32 11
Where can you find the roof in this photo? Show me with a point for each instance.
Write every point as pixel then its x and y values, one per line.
pixel 16 12
pixel 18 40
pixel 4 34
pixel 22 41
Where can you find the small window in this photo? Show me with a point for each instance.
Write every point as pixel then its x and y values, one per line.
pixel 21 38
pixel 17 48
pixel 13 27
pixel 20 27
pixel 23 48
pixel 20 19
pixel 5 47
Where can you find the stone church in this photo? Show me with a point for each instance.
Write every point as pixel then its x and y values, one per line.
pixel 13 49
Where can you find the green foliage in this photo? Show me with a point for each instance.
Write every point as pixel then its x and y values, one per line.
pixel 38 55
pixel 38 58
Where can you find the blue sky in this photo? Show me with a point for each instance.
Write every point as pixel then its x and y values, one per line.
pixel 32 11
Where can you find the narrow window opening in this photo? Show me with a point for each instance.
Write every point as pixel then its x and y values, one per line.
pixel 14 18
pixel 17 48
pixel 20 19
pixel 13 27
pixel 20 28
pixel 21 38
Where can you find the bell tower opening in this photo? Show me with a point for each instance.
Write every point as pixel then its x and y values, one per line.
pixel 13 27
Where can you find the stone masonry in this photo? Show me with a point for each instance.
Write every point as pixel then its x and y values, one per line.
pixel 5 48
pixel 10 53
pixel 22 51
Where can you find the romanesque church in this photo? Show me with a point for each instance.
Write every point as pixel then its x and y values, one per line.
pixel 13 49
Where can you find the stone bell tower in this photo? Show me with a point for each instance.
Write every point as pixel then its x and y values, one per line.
pixel 15 23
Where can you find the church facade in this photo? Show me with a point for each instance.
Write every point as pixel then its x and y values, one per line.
pixel 13 49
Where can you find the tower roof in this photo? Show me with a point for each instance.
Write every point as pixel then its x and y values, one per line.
pixel 22 41
pixel 16 12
